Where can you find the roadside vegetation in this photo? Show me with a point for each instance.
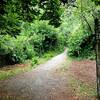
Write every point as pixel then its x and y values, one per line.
pixel 11 70
pixel 36 30
pixel 27 35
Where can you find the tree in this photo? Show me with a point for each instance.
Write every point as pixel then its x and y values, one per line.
pixel 52 11
pixel 14 12
pixel 97 32
pixel 27 9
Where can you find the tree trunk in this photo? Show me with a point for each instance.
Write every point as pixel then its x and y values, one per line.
pixel 97 31
pixel 2 61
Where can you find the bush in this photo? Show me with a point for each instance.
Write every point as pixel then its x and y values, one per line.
pixel 34 60
pixel 35 39
pixel 48 34
pixel 15 50
pixel 22 50
pixel 10 24
pixel 41 35
pixel 80 43
pixel 62 41
pixel 29 51
pixel 6 45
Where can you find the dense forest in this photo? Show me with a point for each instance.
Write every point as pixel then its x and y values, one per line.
pixel 29 28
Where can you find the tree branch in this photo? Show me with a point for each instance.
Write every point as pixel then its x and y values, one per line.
pixel 87 23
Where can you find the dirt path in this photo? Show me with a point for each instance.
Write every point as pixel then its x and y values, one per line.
pixel 43 83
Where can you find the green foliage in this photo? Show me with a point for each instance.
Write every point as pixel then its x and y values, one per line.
pixel 78 28
pixel 52 11
pixel 13 12
pixel 15 49
pixel 11 24
pixel 35 60
pixel 70 23
pixel 29 50
pixel 62 41
pixel 24 8
pixel 28 28
pixel 80 43
pixel 17 55
pixel 5 44
pixel 97 2
pixel 35 39
pixel 41 35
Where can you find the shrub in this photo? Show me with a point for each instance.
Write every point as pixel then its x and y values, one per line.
pixel 62 41
pixel 10 24
pixel 29 51
pixel 15 50
pixel 16 54
pixel 80 43
pixel 35 39
pixel 6 45
pixel 41 35
pixel 34 61
pixel 48 32
pixel 22 50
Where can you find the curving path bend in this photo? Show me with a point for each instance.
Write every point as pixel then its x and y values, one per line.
pixel 39 84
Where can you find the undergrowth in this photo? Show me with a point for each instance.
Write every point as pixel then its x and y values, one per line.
pixel 6 72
